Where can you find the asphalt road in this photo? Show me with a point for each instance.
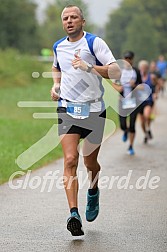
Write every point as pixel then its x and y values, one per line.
pixel 132 219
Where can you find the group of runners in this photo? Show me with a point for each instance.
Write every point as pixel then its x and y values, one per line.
pixel 140 88
pixel 81 60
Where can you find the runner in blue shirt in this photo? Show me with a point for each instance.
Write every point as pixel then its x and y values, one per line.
pixel 162 68
pixel 146 107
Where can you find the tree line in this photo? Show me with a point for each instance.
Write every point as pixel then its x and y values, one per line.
pixel 18 25
pixel 20 29
pixel 137 25
pixel 140 26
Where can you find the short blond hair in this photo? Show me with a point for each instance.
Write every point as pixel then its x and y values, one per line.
pixel 71 6
pixel 143 63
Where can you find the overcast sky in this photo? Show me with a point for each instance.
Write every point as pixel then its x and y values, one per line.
pixel 98 10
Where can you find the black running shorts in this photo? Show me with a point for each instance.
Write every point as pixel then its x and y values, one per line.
pixel 91 128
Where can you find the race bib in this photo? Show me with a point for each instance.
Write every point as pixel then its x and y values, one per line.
pixel 128 103
pixel 78 110
pixel 142 95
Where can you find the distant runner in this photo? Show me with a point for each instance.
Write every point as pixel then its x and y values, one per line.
pixel 147 105
pixel 129 80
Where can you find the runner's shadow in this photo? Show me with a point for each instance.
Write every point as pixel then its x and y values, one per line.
pixel 76 244
pixel 100 241
pixel 77 241
pixel 82 242
pixel 94 235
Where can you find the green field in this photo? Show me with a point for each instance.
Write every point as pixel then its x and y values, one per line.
pixel 18 129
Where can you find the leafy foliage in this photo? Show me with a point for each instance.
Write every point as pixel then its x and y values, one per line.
pixel 18 25
pixel 139 38
pixel 140 26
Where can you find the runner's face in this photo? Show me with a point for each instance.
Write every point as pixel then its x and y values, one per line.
pixel 130 61
pixel 144 69
pixel 72 22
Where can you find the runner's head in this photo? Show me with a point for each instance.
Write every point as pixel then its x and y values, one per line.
pixel 143 66
pixel 129 56
pixel 73 21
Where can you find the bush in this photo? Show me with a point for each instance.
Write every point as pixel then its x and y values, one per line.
pixel 16 69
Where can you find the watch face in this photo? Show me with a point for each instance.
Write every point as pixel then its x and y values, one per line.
pixel 90 66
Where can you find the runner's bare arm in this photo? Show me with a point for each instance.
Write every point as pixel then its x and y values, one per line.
pixel 117 87
pixel 111 71
pixel 56 74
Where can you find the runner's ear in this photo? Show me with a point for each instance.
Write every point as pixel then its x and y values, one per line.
pixel 83 22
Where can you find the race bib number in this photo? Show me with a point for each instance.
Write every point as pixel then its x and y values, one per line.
pixel 128 103
pixel 78 110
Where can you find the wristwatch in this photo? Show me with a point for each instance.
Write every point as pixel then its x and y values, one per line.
pixel 90 66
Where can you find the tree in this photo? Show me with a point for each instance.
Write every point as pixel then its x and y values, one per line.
pixel 115 33
pixel 51 30
pixel 18 25
pixel 157 12
pixel 133 23
pixel 139 40
pixel 117 24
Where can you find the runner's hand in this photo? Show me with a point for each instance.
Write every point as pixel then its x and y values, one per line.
pixel 77 62
pixel 54 93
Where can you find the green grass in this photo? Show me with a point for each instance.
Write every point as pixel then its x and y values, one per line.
pixel 18 129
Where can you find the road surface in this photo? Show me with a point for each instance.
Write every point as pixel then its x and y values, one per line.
pixel 132 219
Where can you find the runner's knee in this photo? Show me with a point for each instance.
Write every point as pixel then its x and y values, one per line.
pixel 70 162
pixel 91 164
pixel 132 127
pixel 132 130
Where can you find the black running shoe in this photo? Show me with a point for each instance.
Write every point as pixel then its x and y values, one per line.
pixel 145 140
pixel 150 134
pixel 74 224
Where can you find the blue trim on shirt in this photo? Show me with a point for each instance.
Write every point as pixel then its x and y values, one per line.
pixel 149 83
pixel 60 103
pixel 54 49
pixel 90 39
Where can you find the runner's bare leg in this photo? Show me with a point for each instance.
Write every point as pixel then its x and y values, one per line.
pixel 69 144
